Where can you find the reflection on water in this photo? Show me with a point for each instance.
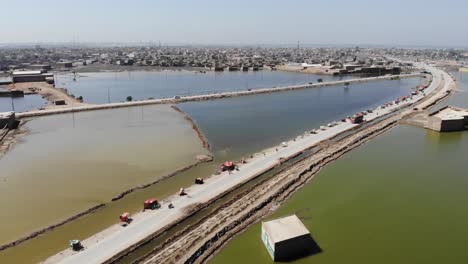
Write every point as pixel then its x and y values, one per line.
pixel 21 104
pixel 103 87
pixel 399 199
pixel 242 125
pixel 72 162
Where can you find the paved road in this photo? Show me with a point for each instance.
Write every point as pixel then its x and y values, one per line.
pixel 150 222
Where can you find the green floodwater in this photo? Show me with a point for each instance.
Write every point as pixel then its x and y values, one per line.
pixel 41 247
pixel 399 199
pixel 69 163
pixel 348 100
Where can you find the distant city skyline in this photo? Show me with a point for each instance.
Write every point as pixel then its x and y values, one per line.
pixel 397 23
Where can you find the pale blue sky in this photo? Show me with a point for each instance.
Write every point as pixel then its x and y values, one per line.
pixel 393 22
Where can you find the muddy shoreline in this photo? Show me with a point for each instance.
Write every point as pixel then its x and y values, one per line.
pixel 95 208
pixel 11 137
pixel 195 127
pixel 21 131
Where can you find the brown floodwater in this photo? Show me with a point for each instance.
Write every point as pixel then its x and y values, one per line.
pixel 69 163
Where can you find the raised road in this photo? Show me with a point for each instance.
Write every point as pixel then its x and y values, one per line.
pixel 117 239
pixel 177 99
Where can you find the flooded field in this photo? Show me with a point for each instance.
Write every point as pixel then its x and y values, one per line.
pixel 234 127
pixel 69 163
pixel 104 87
pixel 399 199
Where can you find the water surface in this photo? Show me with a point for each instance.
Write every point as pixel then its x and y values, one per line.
pixel 399 199
pixel 69 163
pixel 235 127
pixel 22 104
pixel 242 125
pixel 104 87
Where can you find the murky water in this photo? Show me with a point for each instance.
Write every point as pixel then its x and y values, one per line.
pixel 399 199
pixel 104 87
pixel 240 126
pixel 235 127
pixel 69 163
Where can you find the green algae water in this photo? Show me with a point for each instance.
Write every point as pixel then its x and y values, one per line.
pixel 399 199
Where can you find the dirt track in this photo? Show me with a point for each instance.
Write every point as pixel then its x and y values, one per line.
pixel 48 92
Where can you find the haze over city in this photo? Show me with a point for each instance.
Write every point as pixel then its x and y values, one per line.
pixel 241 22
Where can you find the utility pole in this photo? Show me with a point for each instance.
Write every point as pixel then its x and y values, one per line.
pixel 12 104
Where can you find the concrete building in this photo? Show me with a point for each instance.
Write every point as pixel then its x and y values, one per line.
pixel 287 238
pixel 448 119
pixel 31 76
pixel 8 120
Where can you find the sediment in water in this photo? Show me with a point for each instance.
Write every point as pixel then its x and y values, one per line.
pixel 195 127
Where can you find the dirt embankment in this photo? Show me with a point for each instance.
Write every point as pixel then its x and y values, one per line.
pixel 99 206
pixel 196 244
pixel 9 137
pixel 48 92
pixel 204 140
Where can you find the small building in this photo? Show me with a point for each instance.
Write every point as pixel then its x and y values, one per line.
pixel 287 238
pixel 448 119
pixel 32 76
pixel 60 102
pixel 8 120
pixel 65 64
pixel 41 67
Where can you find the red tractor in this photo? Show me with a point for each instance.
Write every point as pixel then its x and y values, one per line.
pixel 151 204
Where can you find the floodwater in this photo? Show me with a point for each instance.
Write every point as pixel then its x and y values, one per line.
pixel 22 104
pixel 69 163
pixel 243 125
pixel 104 87
pixel 235 127
pixel 399 199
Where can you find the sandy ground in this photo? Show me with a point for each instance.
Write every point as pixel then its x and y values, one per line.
pixel 310 70
pixel 116 239
pixel 48 92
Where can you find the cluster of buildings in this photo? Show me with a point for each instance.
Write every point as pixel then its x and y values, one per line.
pixel 335 60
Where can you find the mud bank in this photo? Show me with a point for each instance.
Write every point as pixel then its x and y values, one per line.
pixel 165 177
pixel 195 127
pixel 99 206
pixel 9 137
pixel 50 228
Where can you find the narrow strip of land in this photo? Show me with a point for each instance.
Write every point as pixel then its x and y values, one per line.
pixel 117 239
pixel 181 99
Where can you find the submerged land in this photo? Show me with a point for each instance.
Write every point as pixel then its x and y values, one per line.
pixel 222 215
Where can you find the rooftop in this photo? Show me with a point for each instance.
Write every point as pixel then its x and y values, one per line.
pixel 451 113
pixel 284 228
pixel 19 73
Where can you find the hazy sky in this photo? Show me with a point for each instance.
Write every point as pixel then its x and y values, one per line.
pixel 391 22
